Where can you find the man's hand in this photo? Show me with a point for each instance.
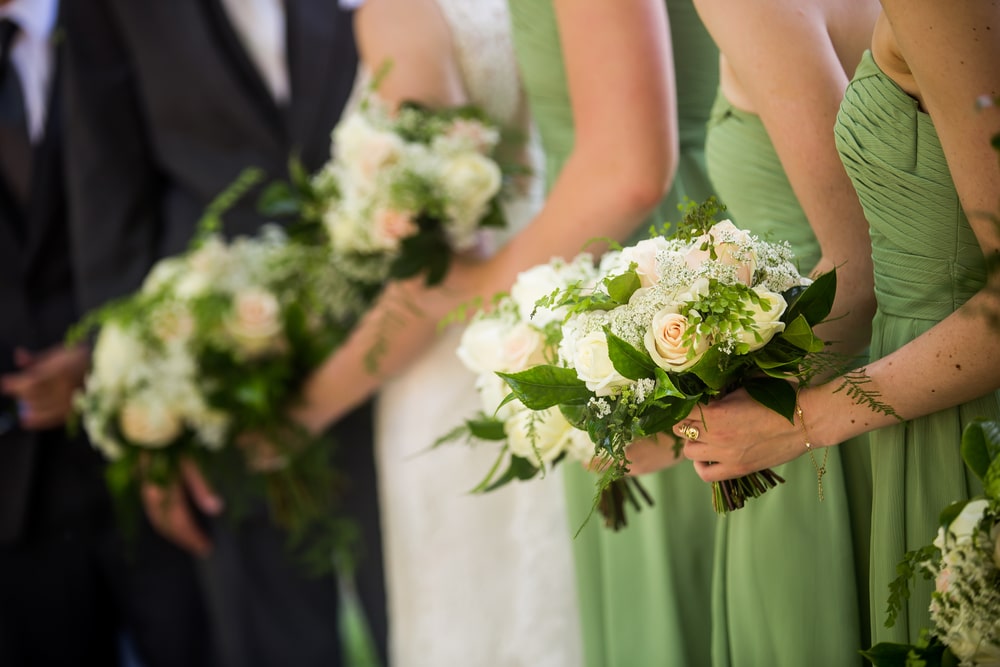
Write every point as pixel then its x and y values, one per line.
pixel 170 511
pixel 44 384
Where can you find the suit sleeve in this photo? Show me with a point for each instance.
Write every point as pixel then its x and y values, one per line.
pixel 114 183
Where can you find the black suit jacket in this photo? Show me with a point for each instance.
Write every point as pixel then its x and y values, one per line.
pixel 158 131
pixel 37 302
pixel 166 109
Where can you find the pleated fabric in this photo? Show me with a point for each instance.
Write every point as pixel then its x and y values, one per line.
pixel 645 591
pixel 927 264
pixel 790 584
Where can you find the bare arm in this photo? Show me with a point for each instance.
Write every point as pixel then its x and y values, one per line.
pixel 619 69
pixel 792 61
pixel 958 359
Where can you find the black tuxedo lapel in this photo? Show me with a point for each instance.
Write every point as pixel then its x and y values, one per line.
pixel 322 63
pixel 246 71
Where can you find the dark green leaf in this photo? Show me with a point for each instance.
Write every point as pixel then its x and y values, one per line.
pixel 816 301
pixel 542 387
pixel 627 360
pixel 278 200
pixel 519 468
pixel 800 334
pixel 778 395
pixel 981 447
pixel 621 288
pixel 665 386
pixel 951 512
pixel 714 368
pixel 663 415
pixel 886 654
pixel 486 429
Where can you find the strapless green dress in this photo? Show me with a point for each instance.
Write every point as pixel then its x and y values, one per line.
pixel 789 569
pixel 645 591
pixel 927 263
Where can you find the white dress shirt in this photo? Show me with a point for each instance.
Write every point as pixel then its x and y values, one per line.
pixel 33 57
pixel 260 25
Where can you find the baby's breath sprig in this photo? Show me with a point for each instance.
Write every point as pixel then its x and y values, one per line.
pixel 698 218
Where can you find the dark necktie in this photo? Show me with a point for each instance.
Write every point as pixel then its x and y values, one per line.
pixel 15 143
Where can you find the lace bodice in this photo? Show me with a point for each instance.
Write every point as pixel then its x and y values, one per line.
pixel 485 53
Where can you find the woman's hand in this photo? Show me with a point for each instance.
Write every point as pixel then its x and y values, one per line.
pixel 652 454
pixel 735 436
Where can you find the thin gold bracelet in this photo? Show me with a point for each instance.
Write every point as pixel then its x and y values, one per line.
pixel 820 469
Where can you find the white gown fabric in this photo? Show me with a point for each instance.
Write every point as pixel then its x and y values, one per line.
pixel 473 580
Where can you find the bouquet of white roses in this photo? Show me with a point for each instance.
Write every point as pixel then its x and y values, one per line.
pixel 215 344
pixel 403 191
pixel 964 562
pixel 512 336
pixel 672 322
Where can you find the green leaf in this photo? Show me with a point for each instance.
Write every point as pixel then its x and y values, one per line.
pixel 714 369
pixel 627 360
pixel 951 512
pixel 778 395
pixel 799 333
pixel 279 200
pixel 486 429
pixel 519 468
pixel 886 654
pixel 981 448
pixel 665 386
pixel 621 288
pixel 663 415
pixel 816 301
pixel 542 387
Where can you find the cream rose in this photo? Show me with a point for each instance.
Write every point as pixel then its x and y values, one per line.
pixel 149 423
pixel 962 527
pixel 481 345
pixel 532 285
pixel 492 391
pixel 523 347
pixel 364 148
pixel 667 344
pixel 593 364
pixel 390 226
pixel 538 436
pixel 767 323
pixel 644 254
pixel 255 323
pixel 117 355
pixel 469 181
pixel 733 247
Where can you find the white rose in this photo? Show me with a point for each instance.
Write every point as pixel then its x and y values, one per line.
pixel 255 323
pixel 365 149
pixel 481 345
pixel 532 285
pixel 963 526
pixel 117 354
pixel 766 323
pixel 172 323
pixel 164 272
pixel 492 391
pixel 523 347
pixel 469 182
pixel 204 267
pixel 644 254
pixel 593 364
pixel 149 423
pixel 580 447
pixel 539 436
pixel 733 247
pixel 667 344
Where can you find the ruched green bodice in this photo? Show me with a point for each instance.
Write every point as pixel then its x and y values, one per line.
pixel 644 592
pixel 927 263
pixel 786 556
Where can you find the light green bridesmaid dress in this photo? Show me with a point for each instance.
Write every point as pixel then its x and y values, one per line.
pixel 645 591
pixel 927 263
pixel 787 590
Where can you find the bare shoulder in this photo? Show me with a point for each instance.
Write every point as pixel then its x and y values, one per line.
pixel 413 38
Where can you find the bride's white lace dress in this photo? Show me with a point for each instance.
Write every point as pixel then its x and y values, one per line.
pixel 472 580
